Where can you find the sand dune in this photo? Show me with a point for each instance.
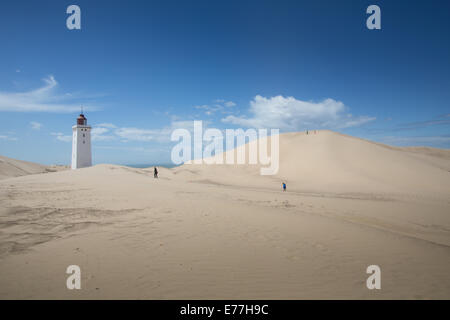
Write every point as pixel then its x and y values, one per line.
pixel 332 162
pixel 224 231
pixel 15 168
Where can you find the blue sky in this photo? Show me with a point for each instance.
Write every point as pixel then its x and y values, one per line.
pixel 142 68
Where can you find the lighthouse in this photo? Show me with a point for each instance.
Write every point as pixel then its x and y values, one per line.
pixel 81 144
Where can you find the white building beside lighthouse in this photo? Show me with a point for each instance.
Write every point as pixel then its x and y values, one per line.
pixel 81 144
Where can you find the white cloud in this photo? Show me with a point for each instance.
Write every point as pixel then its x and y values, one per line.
pixel 61 137
pixel 98 134
pixel 43 99
pixel 219 105
pixel 35 125
pixel 136 134
pixel 290 114
pixel 8 138
pixel 102 132
pixel 99 130
pixel 209 110
pixel 109 131
pixel 225 102
pixel 203 106
pixel 229 104
pixel 134 149
pixel 188 125
pixel 106 125
pixel 157 135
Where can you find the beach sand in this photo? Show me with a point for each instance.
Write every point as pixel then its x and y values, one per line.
pixel 226 232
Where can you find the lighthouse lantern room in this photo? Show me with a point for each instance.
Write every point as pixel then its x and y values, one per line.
pixel 81 144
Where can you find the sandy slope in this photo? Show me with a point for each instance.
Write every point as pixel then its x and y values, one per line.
pixel 226 232
pixel 332 162
pixel 15 168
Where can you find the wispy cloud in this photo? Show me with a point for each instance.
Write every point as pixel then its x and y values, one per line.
pixel 219 105
pixel 137 134
pixel 62 137
pixel 438 121
pixel 102 133
pixel 35 125
pixel 290 114
pixel 43 99
pixel 229 104
pixel 157 135
pixel 134 149
pixel 106 125
pixel 110 132
pixel 7 138
pixel 209 110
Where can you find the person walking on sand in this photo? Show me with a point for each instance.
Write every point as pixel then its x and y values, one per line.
pixel 284 186
pixel 155 173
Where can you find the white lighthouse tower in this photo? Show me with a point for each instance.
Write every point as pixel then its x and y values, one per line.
pixel 81 143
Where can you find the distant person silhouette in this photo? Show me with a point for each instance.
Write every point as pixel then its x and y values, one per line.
pixel 284 186
pixel 155 173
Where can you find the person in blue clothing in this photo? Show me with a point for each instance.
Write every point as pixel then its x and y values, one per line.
pixel 284 186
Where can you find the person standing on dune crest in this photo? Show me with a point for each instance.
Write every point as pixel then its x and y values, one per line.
pixel 155 173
